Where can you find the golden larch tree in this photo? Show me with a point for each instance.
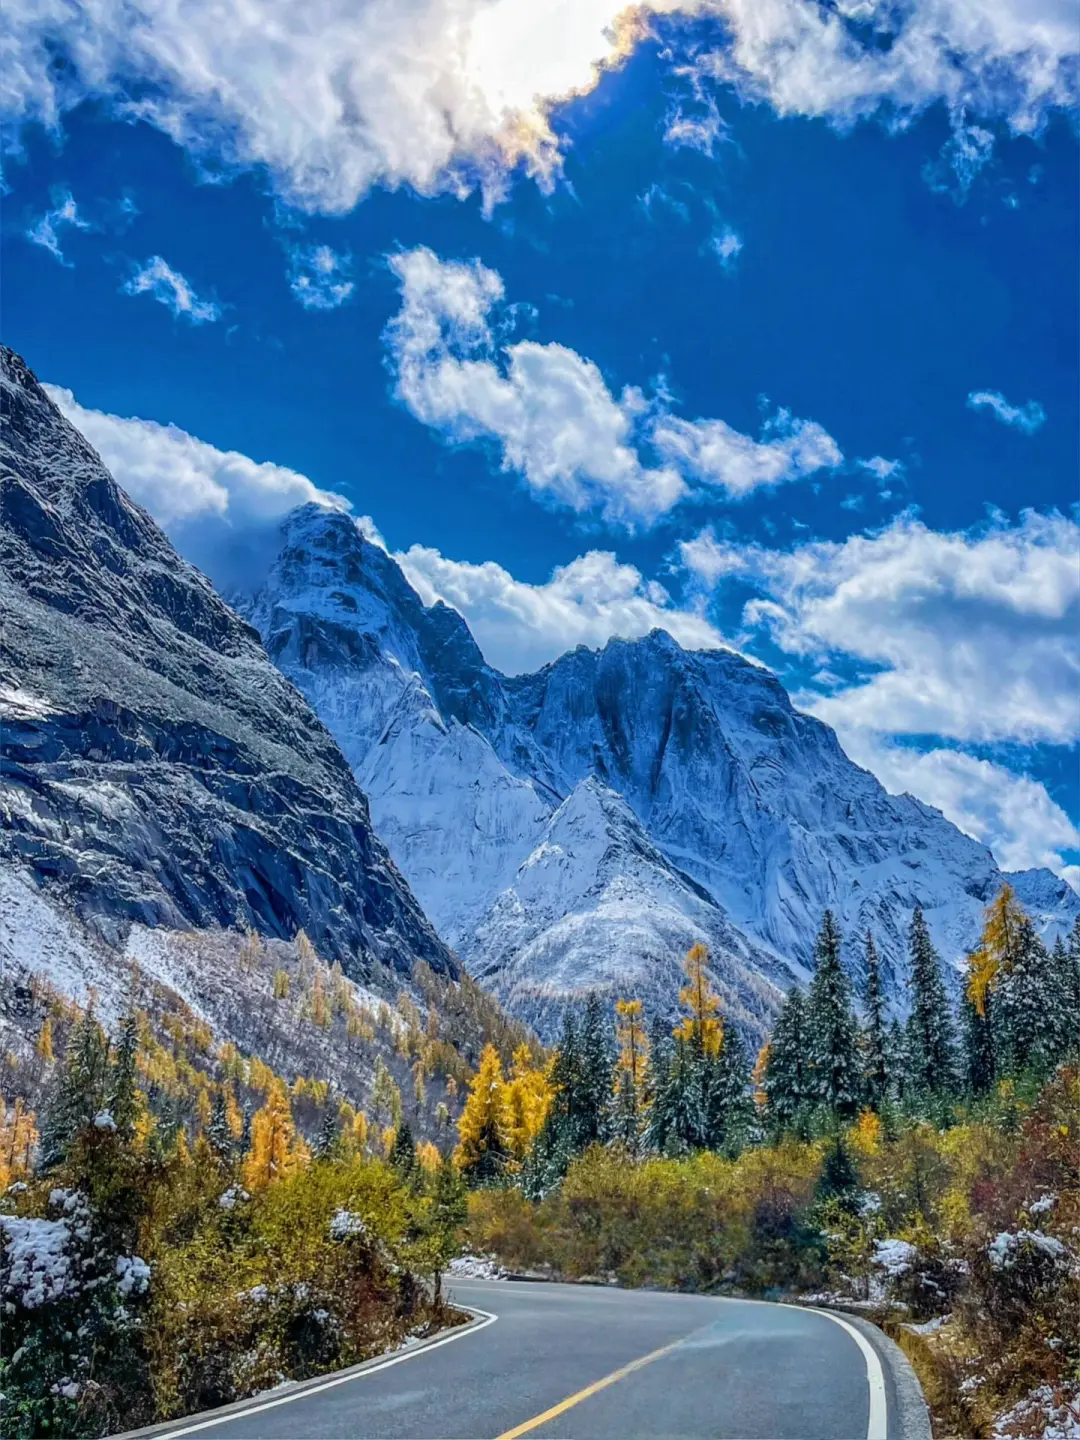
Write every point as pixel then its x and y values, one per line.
pixel 483 1140
pixel 702 1022
pixel 997 946
pixel 527 1099
pixel 275 1147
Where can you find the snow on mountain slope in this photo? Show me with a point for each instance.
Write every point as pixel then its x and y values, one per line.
pixel 156 767
pixel 452 815
pixel 759 802
pixel 730 784
pixel 595 906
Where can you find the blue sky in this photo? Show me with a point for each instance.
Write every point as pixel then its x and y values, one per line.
pixel 769 340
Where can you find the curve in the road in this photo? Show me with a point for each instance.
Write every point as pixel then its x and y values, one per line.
pixel 594 1362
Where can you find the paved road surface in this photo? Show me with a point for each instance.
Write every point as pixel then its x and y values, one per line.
pixel 649 1365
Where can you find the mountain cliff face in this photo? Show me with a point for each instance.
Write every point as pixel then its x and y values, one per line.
pixel 156 766
pixel 752 817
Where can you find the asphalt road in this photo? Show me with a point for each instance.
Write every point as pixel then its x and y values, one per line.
pixel 604 1364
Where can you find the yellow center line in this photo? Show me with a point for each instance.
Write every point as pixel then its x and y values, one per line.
pixel 593 1389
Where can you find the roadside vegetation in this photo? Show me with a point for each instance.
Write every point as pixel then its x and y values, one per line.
pixel 182 1225
pixel 927 1174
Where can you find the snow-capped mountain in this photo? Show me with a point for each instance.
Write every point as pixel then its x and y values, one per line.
pixel 596 906
pixel 157 768
pixel 740 798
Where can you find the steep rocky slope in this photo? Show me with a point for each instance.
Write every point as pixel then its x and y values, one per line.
pixel 737 793
pixel 156 766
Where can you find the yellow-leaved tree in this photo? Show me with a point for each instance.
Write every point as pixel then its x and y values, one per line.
pixel 997 947
pixel 702 1023
pixel 276 1149
pixel 527 1100
pixel 630 1071
pixel 483 1140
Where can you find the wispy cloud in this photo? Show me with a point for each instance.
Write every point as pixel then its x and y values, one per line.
pixel 63 215
pixel 319 276
pixel 726 245
pixel 1026 418
pixel 157 278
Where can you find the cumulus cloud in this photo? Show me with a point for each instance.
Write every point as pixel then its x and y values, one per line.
pixel 319 276
pixel 219 507
pixel 157 278
pixel 972 635
pixel 1012 814
pixel 552 414
pixel 880 468
pixel 334 96
pixel 520 627
pixel 549 410
pixel 1026 418
pixel 63 215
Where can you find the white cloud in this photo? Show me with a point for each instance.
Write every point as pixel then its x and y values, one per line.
pixel 335 96
pixel 552 413
pixel 1026 418
pixel 696 129
pixel 967 150
pixel 63 215
pixel 520 627
pixel 218 506
pixel 168 287
pixel 711 451
pixel 1012 814
pixel 319 276
pixel 726 246
pixel 880 468
pixel 971 635
pixel 547 407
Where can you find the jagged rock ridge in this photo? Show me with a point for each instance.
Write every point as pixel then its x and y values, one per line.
pixel 156 766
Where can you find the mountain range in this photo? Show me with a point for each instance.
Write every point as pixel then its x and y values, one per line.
pixel 579 827
pixel 324 751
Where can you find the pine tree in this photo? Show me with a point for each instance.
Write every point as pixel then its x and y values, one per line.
pixel 786 1081
pixel 682 1103
pixel 79 1090
pixel 1066 1000
pixel 326 1142
pixel 593 1108
pixel 403 1153
pixel 980 1059
pixel 875 1042
pixel 729 1111
pixel 931 1048
pixel 1026 1007
pixel 483 1149
pixel 123 1099
pixel 219 1134
pixel 832 1034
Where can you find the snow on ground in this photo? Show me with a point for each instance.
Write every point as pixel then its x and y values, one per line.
pixel 475 1267
pixel 1045 1414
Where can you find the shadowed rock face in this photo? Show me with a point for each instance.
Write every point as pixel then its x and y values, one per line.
pixel 156 765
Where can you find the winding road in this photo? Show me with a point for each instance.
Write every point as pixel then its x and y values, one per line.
pixel 600 1364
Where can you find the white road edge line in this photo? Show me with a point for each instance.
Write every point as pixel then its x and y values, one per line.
pixel 489 1319
pixel 878 1426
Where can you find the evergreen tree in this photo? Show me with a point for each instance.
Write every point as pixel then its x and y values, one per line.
pixel 123 1099
pixel 326 1142
pixel 79 1090
pixel 786 1081
pixel 1026 1007
pixel 403 1153
pixel 219 1134
pixel 875 1040
pixel 682 1104
pixel 658 1090
pixel 832 1034
pixel 593 1101
pixel 1066 998
pixel 449 1211
pixel 630 1100
pixel 931 1048
pixel 839 1178
pixel 980 1059
pixel 729 1110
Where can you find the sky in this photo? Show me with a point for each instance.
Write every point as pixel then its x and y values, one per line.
pixel 753 319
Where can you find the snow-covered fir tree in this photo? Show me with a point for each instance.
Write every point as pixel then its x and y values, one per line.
pixel 930 1058
pixel 875 1040
pixel 831 1029
pixel 1027 1007
pixel 786 1080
